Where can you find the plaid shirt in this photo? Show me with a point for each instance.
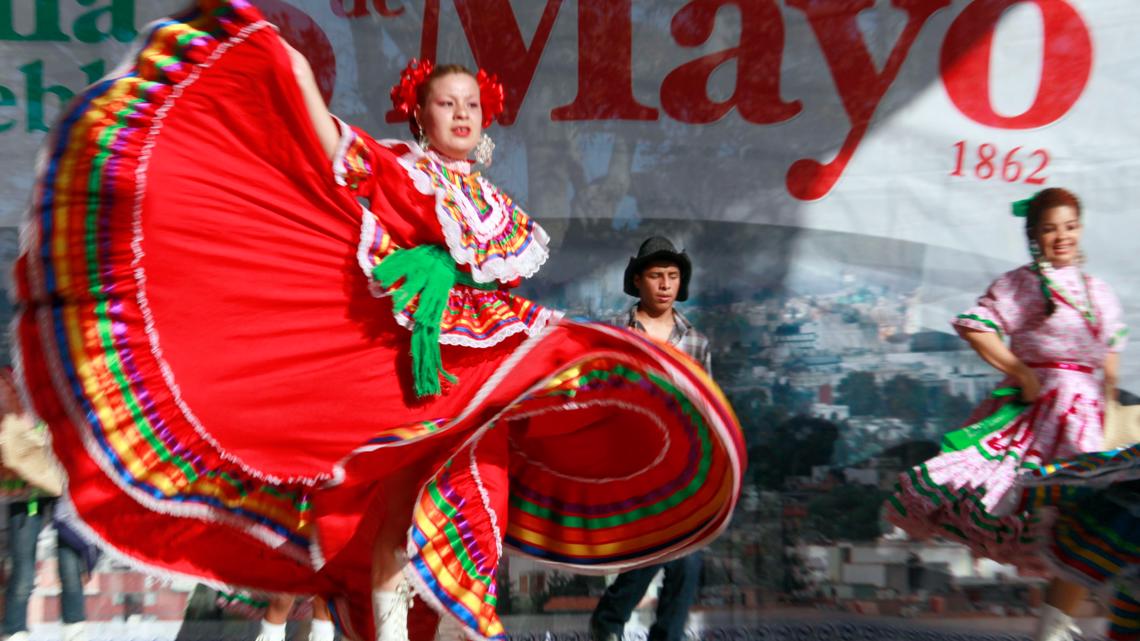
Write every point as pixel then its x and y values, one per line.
pixel 684 336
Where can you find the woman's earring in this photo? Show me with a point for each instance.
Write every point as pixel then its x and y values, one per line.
pixel 421 138
pixel 485 150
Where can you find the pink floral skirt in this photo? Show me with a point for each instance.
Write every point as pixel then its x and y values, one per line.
pixel 970 492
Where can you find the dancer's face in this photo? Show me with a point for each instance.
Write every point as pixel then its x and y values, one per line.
pixel 452 116
pixel 658 285
pixel 1059 235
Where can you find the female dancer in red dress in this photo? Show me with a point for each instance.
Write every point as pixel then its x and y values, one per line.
pixel 255 380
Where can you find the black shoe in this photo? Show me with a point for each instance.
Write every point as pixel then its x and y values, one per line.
pixel 600 633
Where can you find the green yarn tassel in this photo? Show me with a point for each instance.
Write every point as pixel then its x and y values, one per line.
pixel 428 272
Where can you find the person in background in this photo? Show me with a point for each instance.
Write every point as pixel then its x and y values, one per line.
pixel 1065 331
pixel 659 277
pixel 30 507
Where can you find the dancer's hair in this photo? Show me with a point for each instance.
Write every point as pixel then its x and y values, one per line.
pixel 1042 202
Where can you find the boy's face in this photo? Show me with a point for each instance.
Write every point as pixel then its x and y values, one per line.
pixel 658 285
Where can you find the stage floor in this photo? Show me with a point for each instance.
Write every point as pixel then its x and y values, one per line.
pixel 766 625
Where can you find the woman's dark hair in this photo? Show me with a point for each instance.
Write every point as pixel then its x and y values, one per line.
pixel 1042 202
pixel 422 90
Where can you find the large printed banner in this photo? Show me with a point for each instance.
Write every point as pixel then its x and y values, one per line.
pixel 876 138
pixel 873 138
pixel 915 121
pixel 808 153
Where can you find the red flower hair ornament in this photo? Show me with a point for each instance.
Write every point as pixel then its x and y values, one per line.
pixel 492 96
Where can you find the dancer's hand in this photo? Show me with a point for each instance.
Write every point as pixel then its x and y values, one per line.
pixel 1030 385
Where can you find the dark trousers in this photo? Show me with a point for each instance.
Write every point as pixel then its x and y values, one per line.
pixel 679 591
pixel 23 531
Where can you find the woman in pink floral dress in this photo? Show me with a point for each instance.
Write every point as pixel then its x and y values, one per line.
pixel 1064 331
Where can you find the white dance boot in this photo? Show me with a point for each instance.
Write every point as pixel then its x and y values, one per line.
pixel 392 613
pixel 321 630
pixel 271 631
pixel 1055 625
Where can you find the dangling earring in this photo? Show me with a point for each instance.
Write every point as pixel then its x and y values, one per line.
pixel 421 138
pixel 1080 257
pixel 485 150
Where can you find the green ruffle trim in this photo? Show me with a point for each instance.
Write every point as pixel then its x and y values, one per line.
pixel 985 321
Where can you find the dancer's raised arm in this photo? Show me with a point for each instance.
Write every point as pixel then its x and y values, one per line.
pixel 326 129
